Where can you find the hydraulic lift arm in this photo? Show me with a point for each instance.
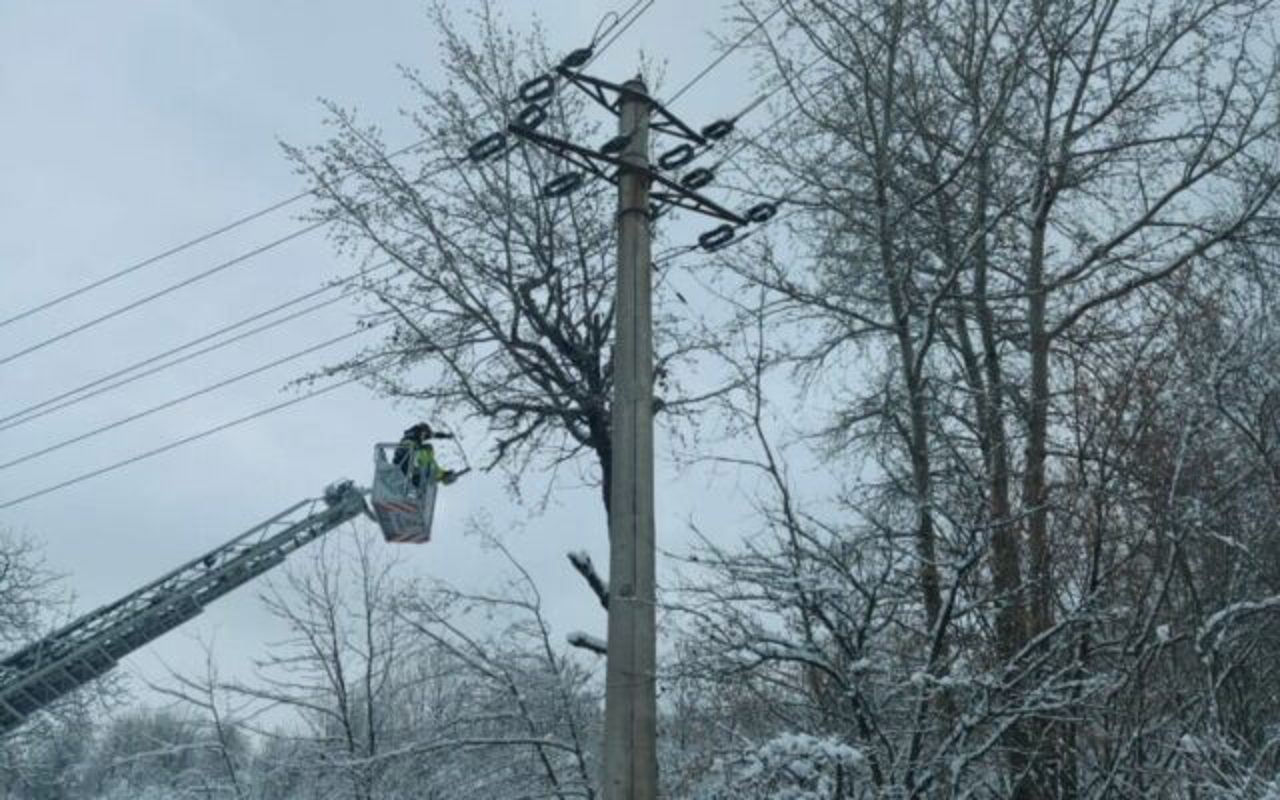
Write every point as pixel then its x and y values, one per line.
pixel 40 673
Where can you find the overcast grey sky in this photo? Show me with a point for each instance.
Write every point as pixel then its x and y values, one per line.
pixel 130 127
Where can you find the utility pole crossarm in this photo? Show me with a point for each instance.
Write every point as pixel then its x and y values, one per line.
pixel 596 88
pixel 40 673
pixel 596 163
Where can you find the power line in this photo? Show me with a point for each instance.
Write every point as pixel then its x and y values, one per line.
pixel 276 206
pixel 179 443
pixel 133 378
pixel 225 265
pixel 623 29
pixel 50 303
pixel 43 408
pixel 52 404
pixel 782 83
pixel 760 24
pixel 723 56
pixel 643 6
pixel 183 399
pixel 188 244
pixel 745 139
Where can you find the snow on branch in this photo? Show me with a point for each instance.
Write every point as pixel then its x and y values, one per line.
pixel 588 642
pixel 1223 617
pixel 581 561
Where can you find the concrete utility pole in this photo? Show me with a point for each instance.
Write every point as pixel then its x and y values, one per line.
pixel 630 730
pixel 630 733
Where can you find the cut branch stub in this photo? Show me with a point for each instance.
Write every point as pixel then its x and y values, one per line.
pixel 587 642
pixel 581 561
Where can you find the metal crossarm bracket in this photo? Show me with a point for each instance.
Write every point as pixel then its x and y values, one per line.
pixel 581 157
pixel 663 120
pixel 598 164
pixel 42 672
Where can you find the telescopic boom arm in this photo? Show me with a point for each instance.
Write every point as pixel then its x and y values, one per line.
pixel 40 673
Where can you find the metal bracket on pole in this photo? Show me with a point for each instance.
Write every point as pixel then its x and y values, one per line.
pixel 598 164
pixel 661 120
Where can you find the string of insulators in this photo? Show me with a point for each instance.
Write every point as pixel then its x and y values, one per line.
pixel 722 236
pixel 536 94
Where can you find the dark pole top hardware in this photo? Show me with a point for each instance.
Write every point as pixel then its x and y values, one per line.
pixel 615 145
pixel 698 178
pixel 490 146
pixel 563 184
pixel 598 89
pixel 717 130
pixel 536 90
pixel 532 116
pixel 600 164
pixel 761 212
pixel 677 156
pixel 717 238
pixel 577 58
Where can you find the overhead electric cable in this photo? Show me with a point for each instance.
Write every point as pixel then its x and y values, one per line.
pixel 744 140
pixel 167 365
pixel 225 265
pixel 179 443
pixel 183 399
pixel 188 244
pixel 623 29
pixel 276 206
pixel 693 81
pixel 88 390
pixel 751 139
pixel 708 174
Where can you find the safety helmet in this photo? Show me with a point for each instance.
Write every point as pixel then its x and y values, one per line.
pixel 420 431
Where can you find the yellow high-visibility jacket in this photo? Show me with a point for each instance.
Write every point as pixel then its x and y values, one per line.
pixel 422 457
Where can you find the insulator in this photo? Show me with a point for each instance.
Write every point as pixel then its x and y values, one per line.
pixel 761 212
pixel 717 130
pixel 535 90
pixel 531 116
pixel 562 184
pixel 677 156
pixel 488 147
pixel 716 238
pixel 698 178
pixel 577 58
pixel 616 145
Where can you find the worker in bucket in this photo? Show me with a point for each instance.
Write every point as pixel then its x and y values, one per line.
pixel 415 455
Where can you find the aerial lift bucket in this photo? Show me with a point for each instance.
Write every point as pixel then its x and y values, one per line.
pixel 403 510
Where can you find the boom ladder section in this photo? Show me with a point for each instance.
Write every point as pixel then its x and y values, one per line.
pixel 40 673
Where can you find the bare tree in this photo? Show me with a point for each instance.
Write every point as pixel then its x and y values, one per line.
pixel 338 670
pixel 204 696
pixel 43 758
pixel 532 708
pixel 501 299
pixel 1003 207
